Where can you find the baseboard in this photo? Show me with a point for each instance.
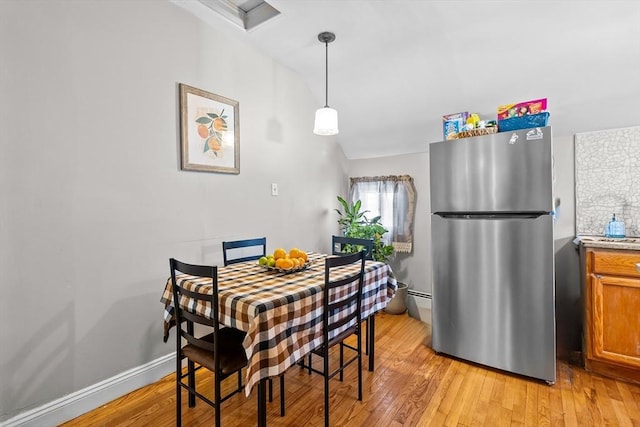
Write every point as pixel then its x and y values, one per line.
pixel 419 305
pixel 89 398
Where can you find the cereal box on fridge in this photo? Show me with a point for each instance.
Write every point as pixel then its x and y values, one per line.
pixel 453 123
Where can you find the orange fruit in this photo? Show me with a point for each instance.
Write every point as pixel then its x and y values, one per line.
pixel 303 255
pixel 203 131
pixel 214 144
pixel 293 253
pixel 295 261
pixel 219 124
pixel 286 263
pixel 279 253
pixel 302 261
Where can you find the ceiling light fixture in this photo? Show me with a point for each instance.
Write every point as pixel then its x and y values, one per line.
pixel 326 117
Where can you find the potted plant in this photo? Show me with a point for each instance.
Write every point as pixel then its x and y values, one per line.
pixel 354 223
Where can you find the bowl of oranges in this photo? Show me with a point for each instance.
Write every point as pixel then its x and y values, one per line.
pixel 285 262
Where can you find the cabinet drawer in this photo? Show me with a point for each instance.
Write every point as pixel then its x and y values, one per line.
pixel 621 263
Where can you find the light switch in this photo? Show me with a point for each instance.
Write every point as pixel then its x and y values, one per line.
pixel 274 189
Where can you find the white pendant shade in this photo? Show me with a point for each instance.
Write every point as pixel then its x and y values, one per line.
pixel 326 121
pixel 326 117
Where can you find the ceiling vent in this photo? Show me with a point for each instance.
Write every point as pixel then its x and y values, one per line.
pixel 246 14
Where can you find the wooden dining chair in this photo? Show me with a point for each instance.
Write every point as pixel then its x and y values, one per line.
pixel 338 244
pixel 341 318
pixel 221 351
pixel 231 249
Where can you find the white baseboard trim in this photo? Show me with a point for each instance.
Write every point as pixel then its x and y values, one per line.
pixel 89 398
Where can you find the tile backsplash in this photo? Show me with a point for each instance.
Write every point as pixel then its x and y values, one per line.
pixel 607 169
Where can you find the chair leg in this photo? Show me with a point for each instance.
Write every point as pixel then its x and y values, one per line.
pixel 191 380
pixel 372 341
pixel 178 394
pixel 217 398
pixel 359 338
pixel 326 386
pixel 282 395
pixel 341 361
pixel 270 390
pixel 239 380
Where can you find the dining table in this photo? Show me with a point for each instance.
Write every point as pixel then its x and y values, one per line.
pixel 280 311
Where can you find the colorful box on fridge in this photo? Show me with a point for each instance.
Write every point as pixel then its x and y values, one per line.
pixel 453 123
pixel 522 108
pixel 523 122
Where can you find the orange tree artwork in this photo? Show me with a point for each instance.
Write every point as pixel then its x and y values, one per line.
pixel 211 126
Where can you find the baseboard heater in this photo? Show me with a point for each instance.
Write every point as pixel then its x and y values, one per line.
pixel 419 294
pixel 419 305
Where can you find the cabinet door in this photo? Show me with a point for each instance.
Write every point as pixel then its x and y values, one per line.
pixel 615 320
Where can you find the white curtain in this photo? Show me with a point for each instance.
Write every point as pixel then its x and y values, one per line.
pixel 393 199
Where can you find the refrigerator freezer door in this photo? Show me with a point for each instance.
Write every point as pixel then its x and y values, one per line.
pixel 493 292
pixel 493 173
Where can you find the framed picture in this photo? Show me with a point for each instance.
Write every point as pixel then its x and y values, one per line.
pixel 209 131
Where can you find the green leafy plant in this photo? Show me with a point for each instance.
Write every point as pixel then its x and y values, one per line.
pixel 354 223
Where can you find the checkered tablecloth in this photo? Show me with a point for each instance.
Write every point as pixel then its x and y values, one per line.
pixel 281 313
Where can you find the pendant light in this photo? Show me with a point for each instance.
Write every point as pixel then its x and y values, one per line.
pixel 326 117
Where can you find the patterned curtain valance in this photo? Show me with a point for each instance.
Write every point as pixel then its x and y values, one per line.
pixel 393 197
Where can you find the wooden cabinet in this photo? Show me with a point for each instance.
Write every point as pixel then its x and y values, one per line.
pixel 612 321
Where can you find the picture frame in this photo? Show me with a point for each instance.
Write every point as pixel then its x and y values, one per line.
pixel 209 131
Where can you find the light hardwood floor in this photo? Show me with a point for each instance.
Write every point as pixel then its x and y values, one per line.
pixel 411 386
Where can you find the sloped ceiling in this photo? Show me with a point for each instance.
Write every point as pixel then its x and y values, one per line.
pixel 397 66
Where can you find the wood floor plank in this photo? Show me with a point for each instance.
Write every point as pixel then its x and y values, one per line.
pixel 415 394
pixel 443 376
pixel 543 407
pixel 519 401
pixel 591 398
pixel 411 386
pixel 483 399
pixel 469 397
pixel 567 397
pixel 633 409
pixel 636 395
pixel 556 409
pixel 508 394
pixel 504 416
pixel 612 388
pixel 530 404
pixel 603 402
pixel 623 419
pixel 497 393
pixel 449 402
pixel 580 395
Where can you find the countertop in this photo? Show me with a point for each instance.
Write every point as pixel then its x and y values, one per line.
pixel 629 243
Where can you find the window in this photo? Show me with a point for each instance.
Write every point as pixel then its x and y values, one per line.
pixel 393 198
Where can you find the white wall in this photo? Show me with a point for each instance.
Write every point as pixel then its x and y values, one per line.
pixel 93 203
pixel 564 191
pixel 415 268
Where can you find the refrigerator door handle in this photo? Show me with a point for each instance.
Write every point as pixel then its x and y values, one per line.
pixel 490 215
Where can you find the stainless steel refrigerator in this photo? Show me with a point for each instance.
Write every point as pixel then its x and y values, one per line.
pixel 492 245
